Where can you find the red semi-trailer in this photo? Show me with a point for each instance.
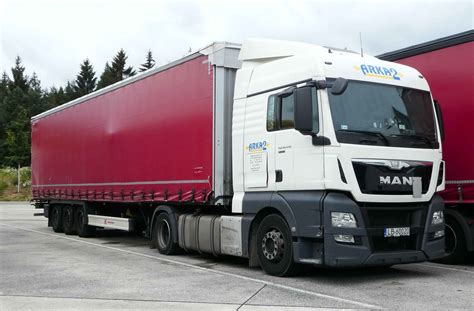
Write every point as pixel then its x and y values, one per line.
pixel 448 65
pixel 122 152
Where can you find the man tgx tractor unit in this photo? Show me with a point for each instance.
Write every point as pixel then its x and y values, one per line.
pixel 280 152
pixel 447 65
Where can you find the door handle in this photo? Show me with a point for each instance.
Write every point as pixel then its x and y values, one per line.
pixel 278 176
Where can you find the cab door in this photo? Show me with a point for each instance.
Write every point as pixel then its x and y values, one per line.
pixel 298 163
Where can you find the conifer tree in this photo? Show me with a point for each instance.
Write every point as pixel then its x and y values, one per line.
pixel 119 67
pixel 106 78
pixel 149 63
pixel 69 91
pixel 4 82
pixel 19 78
pixel 117 71
pixel 85 81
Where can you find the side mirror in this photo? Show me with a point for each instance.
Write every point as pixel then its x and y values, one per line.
pixel 339 86
pixel 439 117
pixel 303 110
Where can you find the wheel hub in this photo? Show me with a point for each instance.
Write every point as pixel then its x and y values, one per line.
pixel 273 245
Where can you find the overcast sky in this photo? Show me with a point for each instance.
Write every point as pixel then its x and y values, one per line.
pixel 53 37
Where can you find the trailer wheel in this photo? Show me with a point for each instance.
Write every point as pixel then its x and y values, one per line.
pixel 164 235
pixel 274 246
pixel 455 243
pixel 68 220
pixel 83 229
pixel 56 218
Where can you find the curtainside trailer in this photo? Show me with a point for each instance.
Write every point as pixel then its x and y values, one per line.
pixel 281 152
pixel 448 66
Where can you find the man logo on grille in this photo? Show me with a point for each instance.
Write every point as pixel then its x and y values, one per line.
pixel 395 180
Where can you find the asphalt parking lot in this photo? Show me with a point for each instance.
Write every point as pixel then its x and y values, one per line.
pixel 43 269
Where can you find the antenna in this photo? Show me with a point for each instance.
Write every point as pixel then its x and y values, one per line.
pixel 360 40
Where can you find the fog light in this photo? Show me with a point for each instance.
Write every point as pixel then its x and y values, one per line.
pixel 439 234
pixel 344 238
pixel 345 220
pixel 438 218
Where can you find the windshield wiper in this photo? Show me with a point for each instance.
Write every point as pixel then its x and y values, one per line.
pixel 376 134
pixel 425 139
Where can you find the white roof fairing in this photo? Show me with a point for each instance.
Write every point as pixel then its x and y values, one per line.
pixel 326 62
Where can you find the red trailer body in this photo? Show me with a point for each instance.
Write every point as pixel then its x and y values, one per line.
pixel 147 138
pixel 448 66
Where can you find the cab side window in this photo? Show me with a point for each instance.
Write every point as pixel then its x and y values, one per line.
pixel 281 112
pixel 287 120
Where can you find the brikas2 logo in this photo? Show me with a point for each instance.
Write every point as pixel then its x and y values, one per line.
pixel 258 146
pixel 379 72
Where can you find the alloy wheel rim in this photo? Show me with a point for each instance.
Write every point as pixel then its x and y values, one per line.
pixel 273 245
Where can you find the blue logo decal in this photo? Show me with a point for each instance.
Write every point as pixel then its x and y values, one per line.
pixel 258 146
pixel 379 72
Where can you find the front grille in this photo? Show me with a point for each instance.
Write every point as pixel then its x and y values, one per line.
pixel 378 217
pixel 370 176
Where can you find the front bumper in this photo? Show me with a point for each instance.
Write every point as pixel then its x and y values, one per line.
pixel 371 248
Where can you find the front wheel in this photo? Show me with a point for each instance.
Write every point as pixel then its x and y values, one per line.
pixel 274 246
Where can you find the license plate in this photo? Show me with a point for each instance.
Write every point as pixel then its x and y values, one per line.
pixel 396 232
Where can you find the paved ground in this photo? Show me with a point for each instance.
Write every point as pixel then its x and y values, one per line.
pixel 43 269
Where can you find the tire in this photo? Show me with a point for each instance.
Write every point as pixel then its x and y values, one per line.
pixel 83 229
pixel 274 246
pixel 68 220
pixel 455 243
pixel 57 218
pixel 165 235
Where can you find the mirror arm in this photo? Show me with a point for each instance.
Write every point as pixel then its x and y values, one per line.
pixel 317 140
pixel 321 84
pixel 321 140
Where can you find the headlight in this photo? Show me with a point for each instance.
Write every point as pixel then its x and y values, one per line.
pixel 438 218
pixel 344 220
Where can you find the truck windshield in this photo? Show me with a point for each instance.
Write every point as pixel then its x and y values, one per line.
pixel 381 114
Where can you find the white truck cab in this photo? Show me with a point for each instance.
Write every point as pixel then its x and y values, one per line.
pixel 344 147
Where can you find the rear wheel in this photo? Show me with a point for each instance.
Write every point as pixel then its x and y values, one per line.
pixel 57 218
pixel 455 243
pixel 274 246
pixel 165 235
pixel 68 220
pixel 83 229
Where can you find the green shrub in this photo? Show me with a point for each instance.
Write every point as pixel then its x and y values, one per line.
pixel 9 177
